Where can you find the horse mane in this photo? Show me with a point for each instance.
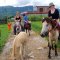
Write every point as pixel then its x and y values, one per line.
pixel 47 19
pixel 50 21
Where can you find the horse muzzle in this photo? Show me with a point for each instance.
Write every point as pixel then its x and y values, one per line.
pixel 44 35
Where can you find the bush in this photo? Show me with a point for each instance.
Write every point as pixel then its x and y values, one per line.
pixel 32 17
pixel 36 17
pixel 3 20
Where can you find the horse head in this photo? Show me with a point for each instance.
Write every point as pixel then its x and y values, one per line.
pixel 47 25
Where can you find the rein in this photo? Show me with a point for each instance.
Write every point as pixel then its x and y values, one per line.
pixel 54 27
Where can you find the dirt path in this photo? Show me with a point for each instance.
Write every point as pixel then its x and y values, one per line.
pixel 36 49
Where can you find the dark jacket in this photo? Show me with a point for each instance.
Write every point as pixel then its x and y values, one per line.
pixel 55 15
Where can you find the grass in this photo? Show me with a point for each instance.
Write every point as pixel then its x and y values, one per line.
pixel 4 35
pixel 37 26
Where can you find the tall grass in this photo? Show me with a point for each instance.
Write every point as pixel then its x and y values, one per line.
pixel 4 35
pixel 37 26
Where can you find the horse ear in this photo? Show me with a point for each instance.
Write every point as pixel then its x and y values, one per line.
pixel 43 20
pixel 47 19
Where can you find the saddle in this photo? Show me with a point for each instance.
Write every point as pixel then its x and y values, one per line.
pixel 26 25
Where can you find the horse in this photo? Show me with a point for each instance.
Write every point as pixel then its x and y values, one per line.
pixel 51 28
pixel 19 42
pixel 27 27
pixel 44 31
pixel 17 27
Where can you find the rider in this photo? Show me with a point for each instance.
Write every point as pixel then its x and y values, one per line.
pixel 17 18
pixel 53 12
pixel 25 18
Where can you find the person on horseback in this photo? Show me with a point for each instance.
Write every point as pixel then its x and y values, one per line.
pixel 17 20
pixel 25 18
pixel 17 17
pixel 27 24
pixel 53 12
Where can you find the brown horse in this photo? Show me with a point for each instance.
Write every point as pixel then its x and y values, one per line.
pixel 53 28
pixel 27 27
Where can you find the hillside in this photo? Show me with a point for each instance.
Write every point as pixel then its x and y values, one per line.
pixel 10 10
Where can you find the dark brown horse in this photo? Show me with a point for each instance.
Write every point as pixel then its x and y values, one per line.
pixel 27 27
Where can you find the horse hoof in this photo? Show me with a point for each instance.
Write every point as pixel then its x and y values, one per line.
pixel 56 54
pixel 52 48
pixel 49 57
pixel 29 34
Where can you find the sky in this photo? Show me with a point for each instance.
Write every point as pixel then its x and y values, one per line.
pixel 20 3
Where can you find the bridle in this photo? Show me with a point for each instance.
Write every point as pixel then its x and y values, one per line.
pixel 55 26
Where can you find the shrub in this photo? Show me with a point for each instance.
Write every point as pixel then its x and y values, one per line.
pixel 3 20
pixel 36 17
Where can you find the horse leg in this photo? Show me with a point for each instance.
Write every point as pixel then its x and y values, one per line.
pixel 59 37
pixel 14 30
pixel 49 56
pixel 26 30
pixel 21 52
pixel 56 54
pixel 52 46
pixel 29 32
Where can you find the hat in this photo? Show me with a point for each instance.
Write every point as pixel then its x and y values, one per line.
pixel 51 4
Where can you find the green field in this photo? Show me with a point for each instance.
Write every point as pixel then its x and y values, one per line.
pixel 4 35
pixel 37 26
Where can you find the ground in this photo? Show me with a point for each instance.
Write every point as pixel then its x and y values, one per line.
pixel 35 49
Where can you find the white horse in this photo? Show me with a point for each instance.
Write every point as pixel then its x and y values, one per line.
pixel 18 27
pixel 18 46
pixel 50 26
